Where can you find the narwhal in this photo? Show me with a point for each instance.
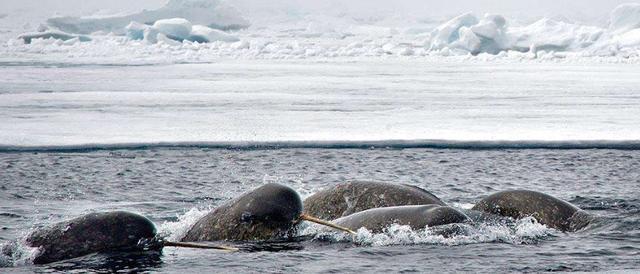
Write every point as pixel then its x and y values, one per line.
pixel 546 209
pixel 269 212
pixel 354 196
pixel 414 216
pixel 97 232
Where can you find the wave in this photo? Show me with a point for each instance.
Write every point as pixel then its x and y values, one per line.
pixel 380 144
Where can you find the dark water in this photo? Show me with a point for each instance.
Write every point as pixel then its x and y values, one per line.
pixel 173 186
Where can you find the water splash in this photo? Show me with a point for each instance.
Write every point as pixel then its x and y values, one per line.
pixel 524 231
pixel 174 231
pixel 17 253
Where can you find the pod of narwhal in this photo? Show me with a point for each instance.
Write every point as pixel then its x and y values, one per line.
pixel 273 211
pixel 269 212
pixel 375 205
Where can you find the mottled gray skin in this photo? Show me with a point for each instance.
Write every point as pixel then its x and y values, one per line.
pixel 546 209
pixel 95 232
pixel 351 197
pixel 268 212
pixel 415 216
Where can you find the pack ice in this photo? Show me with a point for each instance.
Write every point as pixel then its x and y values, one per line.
pixel 175 21
pixel 205 21
pixel 492 34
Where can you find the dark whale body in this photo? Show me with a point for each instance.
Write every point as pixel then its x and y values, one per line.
pixel 90 233
pixel 351 197
pixel 415 216
pixel 268 212
pixel 546 209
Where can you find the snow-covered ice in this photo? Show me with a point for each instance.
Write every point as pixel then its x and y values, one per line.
pixel 278 101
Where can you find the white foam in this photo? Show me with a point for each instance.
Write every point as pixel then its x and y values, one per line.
pixel 19 254
pixel 524 231
pixel 175 231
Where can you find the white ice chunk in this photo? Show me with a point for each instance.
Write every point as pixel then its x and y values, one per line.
pixel 551 35
pixel 471 35
pixel 468 41
pixel 162 38
pixel 448 32
pixel 629 38
pixel 135 30
pixel 139 31
pixel 204 34
pixel 175 28
pixel 625 18
pixel 491 27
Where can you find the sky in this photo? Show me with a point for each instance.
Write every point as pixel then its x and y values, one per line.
pixel 595 12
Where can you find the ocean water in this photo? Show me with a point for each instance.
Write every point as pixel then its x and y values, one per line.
pixel 174 186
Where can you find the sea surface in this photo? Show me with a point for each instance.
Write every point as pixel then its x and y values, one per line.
pixel 173 186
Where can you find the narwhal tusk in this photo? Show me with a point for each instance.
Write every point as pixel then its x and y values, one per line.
pixel 327 223
pixel 198 245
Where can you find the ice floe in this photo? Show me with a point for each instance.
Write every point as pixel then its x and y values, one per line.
pixel 212 13
pixel 181 24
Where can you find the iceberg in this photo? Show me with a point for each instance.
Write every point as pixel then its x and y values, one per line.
pixel 211 13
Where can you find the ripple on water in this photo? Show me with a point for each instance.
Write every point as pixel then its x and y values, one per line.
pixel 174 187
